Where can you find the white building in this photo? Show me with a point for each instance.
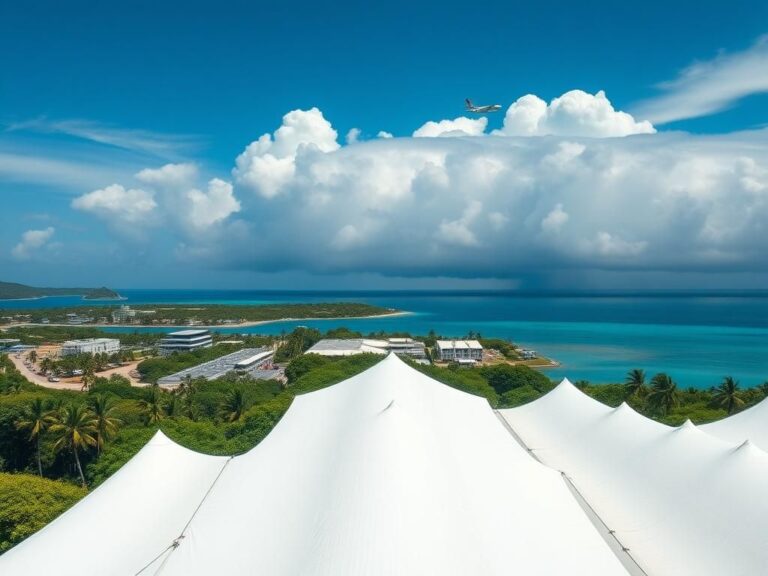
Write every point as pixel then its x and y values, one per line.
pixel 407 346
pixel 348 347
pixel 456 350
pixel 351 346
pixel 185 341
pixel 123 314
pixel 90 346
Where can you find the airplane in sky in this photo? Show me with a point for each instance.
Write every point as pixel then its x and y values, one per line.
pixel 481 109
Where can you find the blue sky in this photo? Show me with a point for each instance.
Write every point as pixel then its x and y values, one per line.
pixel 91 94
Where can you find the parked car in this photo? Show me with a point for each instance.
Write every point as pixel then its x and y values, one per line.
pixel 53 379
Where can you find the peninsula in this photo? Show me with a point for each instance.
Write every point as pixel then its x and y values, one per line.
pixel 14 291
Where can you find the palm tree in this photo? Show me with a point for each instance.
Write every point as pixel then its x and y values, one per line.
pixel 152 405
pixel 103 409
pixel 36 418
pixel 233 406
pixel 75 429
pixel 728 395
pixel 663 395
pixel 171 406
pixel 32 356
pixel 47 364
pixel 634 382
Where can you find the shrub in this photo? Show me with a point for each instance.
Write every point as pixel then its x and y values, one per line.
pixel 27 503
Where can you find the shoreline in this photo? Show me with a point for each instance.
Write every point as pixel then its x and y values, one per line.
pixel 246 324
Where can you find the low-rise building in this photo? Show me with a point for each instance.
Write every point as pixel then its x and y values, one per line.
pixel 407 347
pixel 350 346
pixel 185 341
pixel 123 314
pixel 455 350
pixel 75 319
pixel 90 346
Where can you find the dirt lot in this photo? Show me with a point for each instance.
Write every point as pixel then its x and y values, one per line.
pixel 75 383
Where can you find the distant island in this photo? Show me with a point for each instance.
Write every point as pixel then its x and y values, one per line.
pixel 14 291
pixel 205 315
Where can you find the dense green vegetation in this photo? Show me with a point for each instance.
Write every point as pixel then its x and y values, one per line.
pixel 211 314
pixel 27 503
pixel 12 290
pixel 37 335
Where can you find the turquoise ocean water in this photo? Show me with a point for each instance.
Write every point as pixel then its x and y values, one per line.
pixel 696 337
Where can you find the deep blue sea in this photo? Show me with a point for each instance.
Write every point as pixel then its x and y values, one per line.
pixel 698 338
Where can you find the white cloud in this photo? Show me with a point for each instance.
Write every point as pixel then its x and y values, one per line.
pixel 575 113
pixel 459 231
pixel 488 207
pixel 708 87
pixel 461 126
pixel 268 163
pixel 555 220
pixel 144 141
pixel 118 204
pixel 169 175
pixel 353 135
pixel 206 209
pixel 31 242
pixel 384 134
pixel 171 196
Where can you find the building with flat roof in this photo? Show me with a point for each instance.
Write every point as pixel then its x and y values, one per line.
pixel 246 361
pixel 90 346
pixel 455 350
pixel 407 346
pixel 347 347
pixel 350 346
pixel 185 341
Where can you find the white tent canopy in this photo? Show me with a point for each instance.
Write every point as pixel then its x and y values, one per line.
pixel 683 502
pixel 387 473
pixel 751 424
pixel 127 522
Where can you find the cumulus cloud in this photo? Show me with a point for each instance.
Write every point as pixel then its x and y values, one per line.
pixel 208 208
pixel 268 164
pixel 384 134
pixel 708 87
pixel 118 204
pixel 169 175
pixel 461 126
pixel 169 194
pixel 501 207
pixel 575 113
pixel 555 220
pixel 353 135
pixel 486 207
pixel 31 242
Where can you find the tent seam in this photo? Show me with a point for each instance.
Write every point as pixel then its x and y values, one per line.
pixel 177 541
pixel 624 549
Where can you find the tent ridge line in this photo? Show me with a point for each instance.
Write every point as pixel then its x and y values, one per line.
pixel 177 541
pixel 612 533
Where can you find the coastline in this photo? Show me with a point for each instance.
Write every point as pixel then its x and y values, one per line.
pixel 246 324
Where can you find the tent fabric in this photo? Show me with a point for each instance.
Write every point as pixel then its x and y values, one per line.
pixel 751 424
pixel 683 502
pixel 126 522
pixel 387 473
